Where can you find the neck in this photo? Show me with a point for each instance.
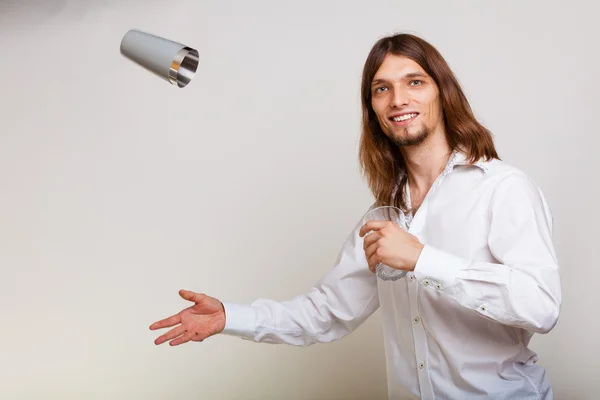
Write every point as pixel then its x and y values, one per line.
pixel 426 161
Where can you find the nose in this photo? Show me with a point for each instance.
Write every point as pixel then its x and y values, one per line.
pixel 399 98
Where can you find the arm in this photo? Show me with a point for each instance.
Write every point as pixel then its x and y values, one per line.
pixel 344 298
pixel 521 290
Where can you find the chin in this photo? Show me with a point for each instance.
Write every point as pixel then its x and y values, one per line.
pixel 411 139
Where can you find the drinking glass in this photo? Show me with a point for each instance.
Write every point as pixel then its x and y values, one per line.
pixel 387 213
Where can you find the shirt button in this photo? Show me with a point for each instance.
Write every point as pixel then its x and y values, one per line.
pixel 416 320
pixel 411 277
pixel 426 282
pixel 421 365
pixel 438 286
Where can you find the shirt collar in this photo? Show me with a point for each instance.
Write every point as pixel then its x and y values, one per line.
pixel 459 158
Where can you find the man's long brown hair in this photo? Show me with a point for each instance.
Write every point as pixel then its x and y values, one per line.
pixel 381 161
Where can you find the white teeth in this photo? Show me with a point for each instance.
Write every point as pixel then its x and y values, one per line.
pixel 404 117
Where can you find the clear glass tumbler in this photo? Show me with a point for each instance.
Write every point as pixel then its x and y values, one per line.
pixel 387 213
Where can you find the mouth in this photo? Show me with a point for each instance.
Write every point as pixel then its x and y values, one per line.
pixel 403 119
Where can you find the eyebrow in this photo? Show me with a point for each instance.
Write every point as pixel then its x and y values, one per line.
pixel 408 75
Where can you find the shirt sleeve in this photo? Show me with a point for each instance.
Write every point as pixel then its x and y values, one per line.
pixel 335 306
pixel 523 288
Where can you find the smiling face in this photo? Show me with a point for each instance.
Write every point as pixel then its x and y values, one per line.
pixel 406 101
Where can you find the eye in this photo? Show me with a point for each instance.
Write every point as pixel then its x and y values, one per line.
pixel 416 82
pixel 380 89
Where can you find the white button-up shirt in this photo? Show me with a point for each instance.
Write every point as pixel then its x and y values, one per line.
pixel 459 325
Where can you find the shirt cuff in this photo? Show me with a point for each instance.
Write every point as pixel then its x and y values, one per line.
pixel 438 268
pixel 240 320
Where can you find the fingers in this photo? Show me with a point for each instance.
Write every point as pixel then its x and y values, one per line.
pixel 370 246
pixel 176 319
pixel 372 257
pixel 183 339
pixel 173 333
pixel 370 250
pixel 192 296
pixel 370 239
pixel 167 322
pixel 372 226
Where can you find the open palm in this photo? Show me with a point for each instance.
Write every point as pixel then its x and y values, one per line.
pixel 205 318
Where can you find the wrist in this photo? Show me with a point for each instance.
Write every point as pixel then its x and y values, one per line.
pixel 417 249
pixel 223 318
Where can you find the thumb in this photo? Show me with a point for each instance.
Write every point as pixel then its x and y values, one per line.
pixel 192 296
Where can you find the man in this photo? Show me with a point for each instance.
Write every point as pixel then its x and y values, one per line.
pixel 482 271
